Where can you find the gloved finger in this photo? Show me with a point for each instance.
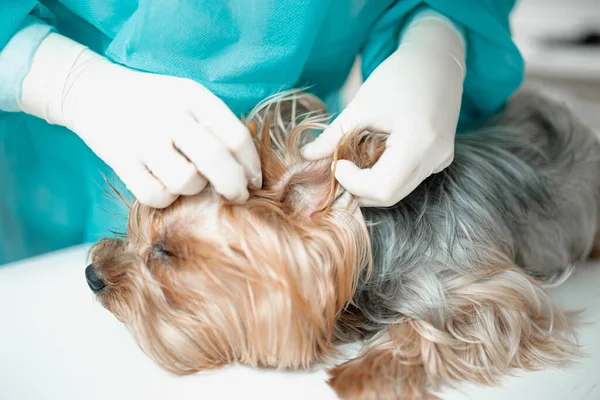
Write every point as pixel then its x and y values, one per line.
pixel 176 173
pixel 397 164
pixel 386 183
pixel 240 144
pixel 352 178
pixel 226 127
pixel 444 164
pixel 324 146
pixel 213 160
pixel 144 186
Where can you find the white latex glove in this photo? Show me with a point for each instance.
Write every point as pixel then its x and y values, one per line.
pixel 415 96
pixel 164 136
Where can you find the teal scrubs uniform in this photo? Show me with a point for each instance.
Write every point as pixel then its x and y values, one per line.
pixel 52 187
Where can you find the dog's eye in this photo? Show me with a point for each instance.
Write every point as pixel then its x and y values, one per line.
pixel 160 250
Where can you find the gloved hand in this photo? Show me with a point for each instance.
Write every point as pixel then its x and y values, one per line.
pixel 415 96
pixel 164 136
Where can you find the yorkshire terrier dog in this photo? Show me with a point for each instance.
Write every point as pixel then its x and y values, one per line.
pixel 446 286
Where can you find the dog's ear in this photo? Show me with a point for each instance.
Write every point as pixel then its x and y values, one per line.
pixel 496 321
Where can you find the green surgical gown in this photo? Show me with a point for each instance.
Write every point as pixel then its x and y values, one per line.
pixel 52 188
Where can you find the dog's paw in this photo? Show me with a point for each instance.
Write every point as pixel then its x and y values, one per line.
pixel 379 375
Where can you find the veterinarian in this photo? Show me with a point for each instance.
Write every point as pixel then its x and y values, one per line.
pixel 153 91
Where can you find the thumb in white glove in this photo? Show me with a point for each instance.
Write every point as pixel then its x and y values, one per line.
pixel 164 136
pixel 415 96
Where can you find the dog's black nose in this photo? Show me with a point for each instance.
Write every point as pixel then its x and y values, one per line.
pixel 94 281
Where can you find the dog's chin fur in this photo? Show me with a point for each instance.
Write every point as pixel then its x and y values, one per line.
pixel 446 286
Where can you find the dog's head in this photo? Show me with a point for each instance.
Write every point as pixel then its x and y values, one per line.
pixel 206 282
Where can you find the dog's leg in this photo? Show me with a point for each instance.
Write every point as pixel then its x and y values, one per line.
pixel 495 321
pixel 391 368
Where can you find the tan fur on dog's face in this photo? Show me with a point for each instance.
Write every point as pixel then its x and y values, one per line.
pixel 206 283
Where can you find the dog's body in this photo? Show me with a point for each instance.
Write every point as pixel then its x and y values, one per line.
pixel 523 192
pixel 453 291
pixel 526 190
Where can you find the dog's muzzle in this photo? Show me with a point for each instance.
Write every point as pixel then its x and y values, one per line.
pixel 94 281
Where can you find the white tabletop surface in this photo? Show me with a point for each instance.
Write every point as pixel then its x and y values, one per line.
pixel 56 342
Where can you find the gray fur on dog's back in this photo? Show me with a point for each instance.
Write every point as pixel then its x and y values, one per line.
pixel 524 190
